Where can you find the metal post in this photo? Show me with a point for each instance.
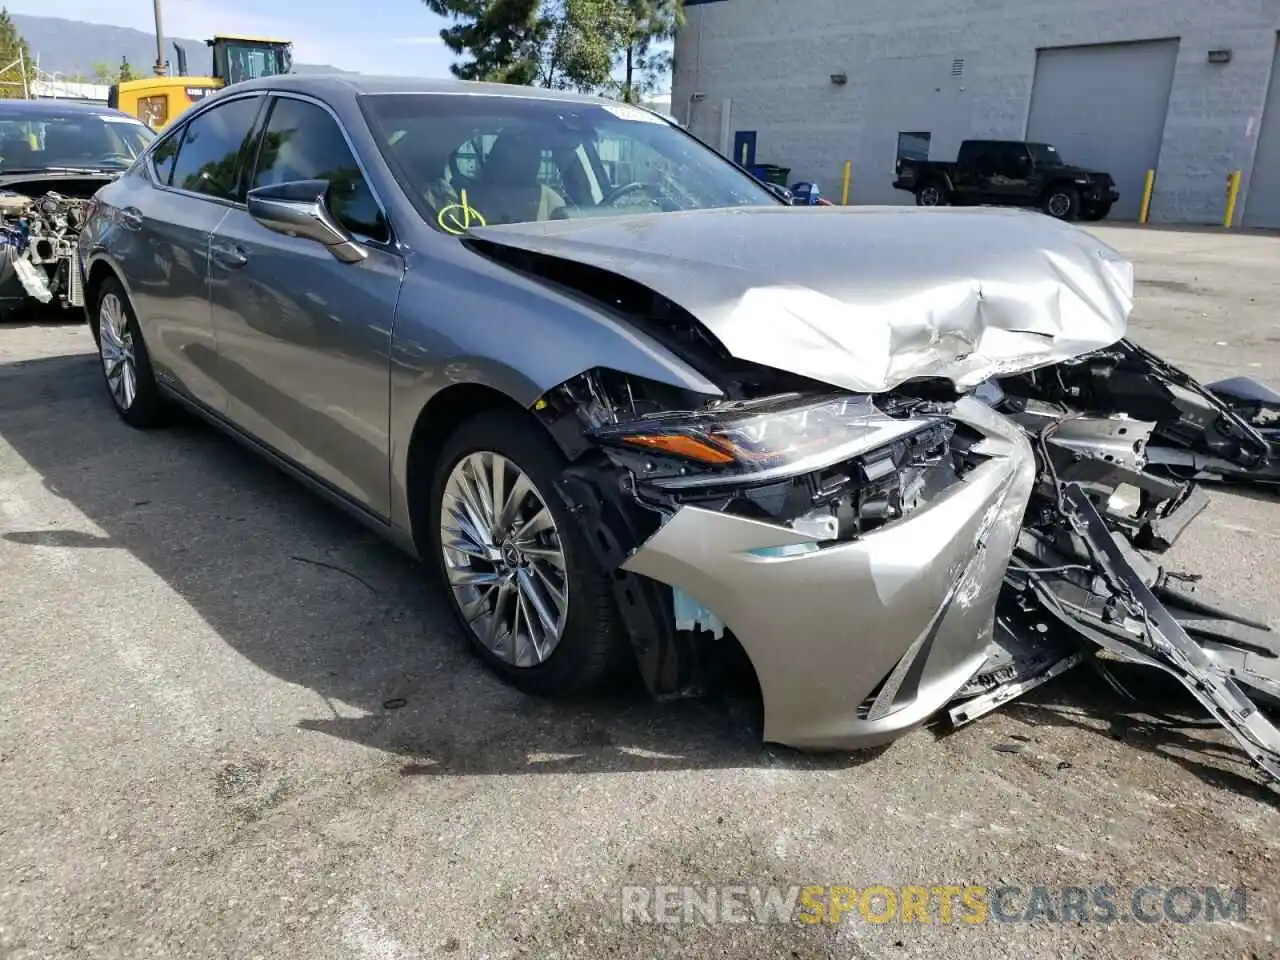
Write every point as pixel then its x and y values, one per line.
pixel 848 176
pixel 1233 191
pixel 1146 196
pixel 159 67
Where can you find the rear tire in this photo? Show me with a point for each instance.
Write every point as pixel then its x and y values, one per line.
pixel 126 365
pixel 931 193
pixel 590 646
pixel 1062 203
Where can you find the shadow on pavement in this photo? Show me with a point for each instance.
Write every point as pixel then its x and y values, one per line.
pixel 315 599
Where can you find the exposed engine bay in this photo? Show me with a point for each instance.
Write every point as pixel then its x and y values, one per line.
pixel 39 254
pixel 1101 453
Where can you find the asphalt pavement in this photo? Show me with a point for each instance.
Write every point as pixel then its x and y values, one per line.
pixel 235 724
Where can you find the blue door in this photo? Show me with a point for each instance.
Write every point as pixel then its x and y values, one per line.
pixel 744 147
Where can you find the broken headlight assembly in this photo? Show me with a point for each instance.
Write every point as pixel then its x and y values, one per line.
pixel 761 441
pixel 834 466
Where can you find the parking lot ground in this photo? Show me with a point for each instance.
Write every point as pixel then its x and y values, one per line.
pixel 235 724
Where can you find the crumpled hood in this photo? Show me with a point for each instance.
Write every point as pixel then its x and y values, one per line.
pixel 865 298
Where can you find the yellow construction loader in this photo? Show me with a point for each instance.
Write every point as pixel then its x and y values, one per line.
pixel 158 101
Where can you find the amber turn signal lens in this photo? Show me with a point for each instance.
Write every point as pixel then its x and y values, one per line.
pixel 680 445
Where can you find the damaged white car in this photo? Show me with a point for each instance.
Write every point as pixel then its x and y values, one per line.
pixel 54 155
pixel 634 409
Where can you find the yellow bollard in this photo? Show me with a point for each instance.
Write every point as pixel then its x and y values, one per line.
pixel 1233 191
pixel 1146 196
pixel 848 175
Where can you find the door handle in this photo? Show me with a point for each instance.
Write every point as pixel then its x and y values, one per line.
pixel 230 257
pixel 131 218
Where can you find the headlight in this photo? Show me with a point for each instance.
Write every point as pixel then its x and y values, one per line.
pixel 758 441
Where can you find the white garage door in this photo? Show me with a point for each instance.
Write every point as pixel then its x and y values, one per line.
pixel 1262 206
pixel 1103 106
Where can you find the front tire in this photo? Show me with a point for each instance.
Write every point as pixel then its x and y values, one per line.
pixel 520 575
pixel 931 194
pixel 1062 203
pixel 126 365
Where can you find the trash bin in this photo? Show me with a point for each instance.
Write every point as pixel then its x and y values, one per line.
pixel 770 173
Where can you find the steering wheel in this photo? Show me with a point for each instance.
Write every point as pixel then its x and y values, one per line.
pixel 635 186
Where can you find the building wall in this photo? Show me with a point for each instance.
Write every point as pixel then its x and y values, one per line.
pixel 767 64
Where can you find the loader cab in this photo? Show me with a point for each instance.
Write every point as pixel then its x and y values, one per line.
pixel 158 101
pixel 236 59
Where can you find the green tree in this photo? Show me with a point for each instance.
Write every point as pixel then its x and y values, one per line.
pixel 103 73
pixel 13 51
pixel 578 44
pixel 126 71
pixel 643 25
pixel 499 39
pixel 562 44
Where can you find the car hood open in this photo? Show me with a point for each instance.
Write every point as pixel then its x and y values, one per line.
pixel 864 298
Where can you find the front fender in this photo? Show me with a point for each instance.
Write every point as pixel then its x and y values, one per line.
pixel 464 320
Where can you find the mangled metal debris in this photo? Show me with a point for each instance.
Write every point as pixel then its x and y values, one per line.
pixel 917 480
pixel 39 253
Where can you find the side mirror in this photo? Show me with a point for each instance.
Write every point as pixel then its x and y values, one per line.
pixel 297 208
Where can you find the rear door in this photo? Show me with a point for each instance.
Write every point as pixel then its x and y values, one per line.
pixel 1010 172
pixel 304 340
pixel 166 220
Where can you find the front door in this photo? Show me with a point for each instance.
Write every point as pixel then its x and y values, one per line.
pixel 303 339
pixel 164 239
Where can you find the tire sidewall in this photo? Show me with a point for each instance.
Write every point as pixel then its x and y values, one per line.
pixel 931 187
pixel 526 445
pixel 1073 203
pixel 145 411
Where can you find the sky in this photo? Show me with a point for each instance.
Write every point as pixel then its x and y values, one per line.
pixel 400 37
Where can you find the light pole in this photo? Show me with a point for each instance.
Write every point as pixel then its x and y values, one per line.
pixel 159 67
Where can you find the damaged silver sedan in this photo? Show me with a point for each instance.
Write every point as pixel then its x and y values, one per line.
pixel 636 410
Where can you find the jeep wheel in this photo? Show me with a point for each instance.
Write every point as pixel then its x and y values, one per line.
pixel 1062 203
pixel 931 194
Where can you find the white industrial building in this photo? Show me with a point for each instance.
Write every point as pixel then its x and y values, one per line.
pixel 1189 88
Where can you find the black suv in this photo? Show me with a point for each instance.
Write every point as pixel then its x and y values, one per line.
pixel 1010 173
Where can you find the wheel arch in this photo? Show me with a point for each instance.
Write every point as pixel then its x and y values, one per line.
pixel 100 270
pixel 439 417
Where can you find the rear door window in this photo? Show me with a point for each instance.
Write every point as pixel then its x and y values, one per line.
pixel 212 144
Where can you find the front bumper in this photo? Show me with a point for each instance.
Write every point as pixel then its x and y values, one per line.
pixel 856 642
pixel 1098 194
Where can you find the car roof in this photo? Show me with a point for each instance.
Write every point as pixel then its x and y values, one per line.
pixel 53 109
pixel 356 84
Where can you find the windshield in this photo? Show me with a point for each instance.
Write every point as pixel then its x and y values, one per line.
pixel 1045 154
pixel 477 160
pixel 99 141
pixel 248 61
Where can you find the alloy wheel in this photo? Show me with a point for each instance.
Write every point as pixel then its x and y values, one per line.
pixel 115 345
pixel 503 559
pixel 1059 205
pixel 930 197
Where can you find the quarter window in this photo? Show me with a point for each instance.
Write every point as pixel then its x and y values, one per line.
pixel 209 155
pixel 303 142
pixel 163 156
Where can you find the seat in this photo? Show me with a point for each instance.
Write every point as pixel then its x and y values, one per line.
pixel 16 153
pixel 507 189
